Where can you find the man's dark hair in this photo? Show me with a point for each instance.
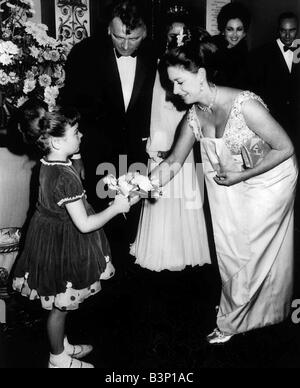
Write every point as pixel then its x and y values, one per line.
pixel 287 15
pixel 131 13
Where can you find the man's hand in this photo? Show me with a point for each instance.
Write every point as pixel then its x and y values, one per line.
pixel 79 167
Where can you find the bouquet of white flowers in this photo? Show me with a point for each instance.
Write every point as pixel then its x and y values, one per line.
pixel 133 184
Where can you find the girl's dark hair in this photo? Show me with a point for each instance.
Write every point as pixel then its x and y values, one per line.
pixel 233 11
pixel 37 124
pixel 194 52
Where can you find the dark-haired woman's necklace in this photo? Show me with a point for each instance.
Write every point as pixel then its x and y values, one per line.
pixel 210 106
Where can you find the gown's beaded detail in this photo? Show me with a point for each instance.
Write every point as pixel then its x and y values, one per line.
pixel 236 132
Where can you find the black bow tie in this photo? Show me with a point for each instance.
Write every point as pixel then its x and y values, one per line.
pixel 287 48
pixel 133 55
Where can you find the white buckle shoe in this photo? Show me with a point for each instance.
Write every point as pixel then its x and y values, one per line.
pixel 217 337
pixel 73 363
pixel 79 351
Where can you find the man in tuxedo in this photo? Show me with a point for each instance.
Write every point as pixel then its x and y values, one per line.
pixel 110 81
pixel 274 74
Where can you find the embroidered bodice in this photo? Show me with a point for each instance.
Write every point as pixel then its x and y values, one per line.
pixel 236 132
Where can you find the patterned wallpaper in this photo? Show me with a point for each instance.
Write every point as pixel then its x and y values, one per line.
pixel 72 20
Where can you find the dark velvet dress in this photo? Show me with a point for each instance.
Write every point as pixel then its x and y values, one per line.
pixel 59 264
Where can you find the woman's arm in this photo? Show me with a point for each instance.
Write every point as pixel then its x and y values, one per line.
pixel 87 224
pixel 171 166
pixel 267 128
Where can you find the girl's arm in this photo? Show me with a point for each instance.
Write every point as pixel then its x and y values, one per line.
pixel 267 128
pixel 171 166
pixel 87 224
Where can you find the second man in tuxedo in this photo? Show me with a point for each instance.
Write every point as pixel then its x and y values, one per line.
pixel 275 75
pixel 110 81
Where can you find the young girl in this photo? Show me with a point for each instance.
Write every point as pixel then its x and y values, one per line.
pixel 66 251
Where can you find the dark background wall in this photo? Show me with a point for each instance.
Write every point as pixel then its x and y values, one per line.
pixel 264 18
pixel 155 10
pixel 264 15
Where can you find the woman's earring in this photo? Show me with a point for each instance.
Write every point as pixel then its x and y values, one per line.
pixel 201 86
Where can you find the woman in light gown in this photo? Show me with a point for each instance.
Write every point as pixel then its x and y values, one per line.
pixel 172 231
pixel 251 173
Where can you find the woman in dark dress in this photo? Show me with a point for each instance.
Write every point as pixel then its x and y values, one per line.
pixel 233 23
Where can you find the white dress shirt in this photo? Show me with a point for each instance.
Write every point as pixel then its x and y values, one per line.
pixel 288 55
pixel 127 67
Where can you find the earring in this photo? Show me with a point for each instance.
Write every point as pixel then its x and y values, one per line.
pixel 201 86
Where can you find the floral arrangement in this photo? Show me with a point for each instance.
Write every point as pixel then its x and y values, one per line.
pixel 133 184
pixel 31 62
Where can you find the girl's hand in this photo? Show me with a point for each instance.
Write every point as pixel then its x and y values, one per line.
pixel 228 178
pixel 134 199
pixel 121 203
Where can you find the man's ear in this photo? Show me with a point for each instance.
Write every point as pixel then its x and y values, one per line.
pixel 108 30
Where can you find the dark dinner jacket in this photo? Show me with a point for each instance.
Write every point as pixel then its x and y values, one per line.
pixel 93 86
pixel 269 77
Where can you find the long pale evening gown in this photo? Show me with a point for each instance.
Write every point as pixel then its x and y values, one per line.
pixel 253 227
pixel 172 231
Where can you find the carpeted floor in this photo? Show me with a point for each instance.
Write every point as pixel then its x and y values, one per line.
pixel 153 321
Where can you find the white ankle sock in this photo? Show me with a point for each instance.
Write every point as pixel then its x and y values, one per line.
pixel 62 359
pixel 67 346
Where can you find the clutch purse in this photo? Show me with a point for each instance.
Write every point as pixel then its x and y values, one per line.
pixel 254 151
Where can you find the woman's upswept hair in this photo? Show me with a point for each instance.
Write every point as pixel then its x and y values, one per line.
pixel 193 51
pixel 37 125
